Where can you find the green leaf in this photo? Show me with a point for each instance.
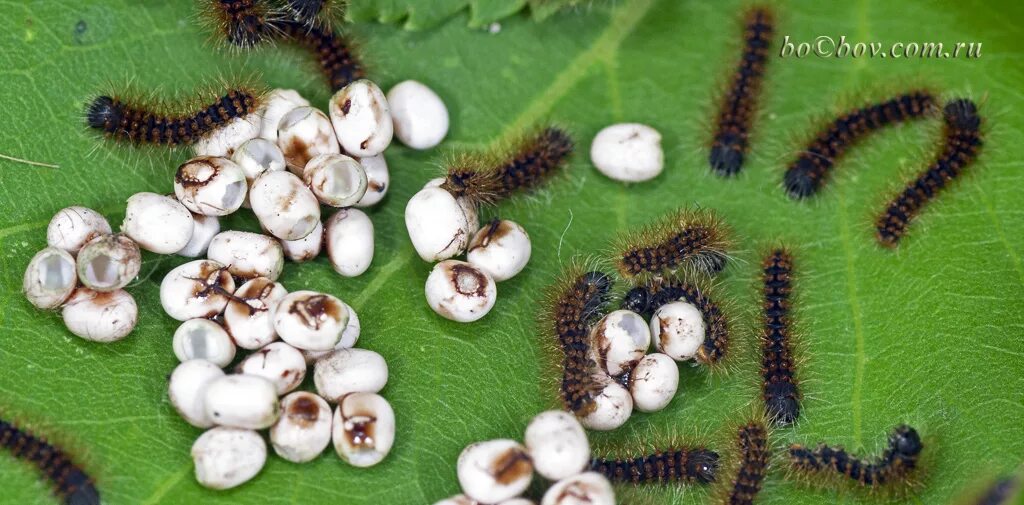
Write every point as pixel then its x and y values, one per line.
pixel 420 15
pixel 930 334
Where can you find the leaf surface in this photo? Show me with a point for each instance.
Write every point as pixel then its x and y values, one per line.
pixel 930 334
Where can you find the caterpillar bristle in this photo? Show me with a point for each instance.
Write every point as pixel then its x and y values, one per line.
pixel 471 176
pixel 314 12
pixel 811 169
pixel 675 465
pixel 529 161
pixel 575 302
pixel 245 24
pixel 780 389
pixel 684 240
pixel 897 461
pixel 961 144
pixel 338 62
pixel 738 108
pixel 754 455
pixel 70 482
pixel 241 23
pixel 165 123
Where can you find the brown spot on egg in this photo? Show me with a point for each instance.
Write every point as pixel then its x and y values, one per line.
pixel 468 280
pixel 304 411
pixel 511 466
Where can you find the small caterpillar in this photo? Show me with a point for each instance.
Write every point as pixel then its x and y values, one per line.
pixel 138 123
pixel 489 177
pixel 70 482
pixel 677 465
pixel 960 148
pixel 576 301
pixel 811 169
pixel 736 112
pixel 248 23
pixel 646 298
pixel 696 240
pixel 779 389
pixel 754 457
pixel 898 459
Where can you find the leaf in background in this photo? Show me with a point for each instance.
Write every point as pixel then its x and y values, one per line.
pixel 930 334
pixel 418 15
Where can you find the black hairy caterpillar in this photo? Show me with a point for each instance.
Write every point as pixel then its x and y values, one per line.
pixel 70 482
pixel 575 302
pixel 333 51
pixel 736 112
pixel 961 145
pixel 809 172
pixel 684 239
pixel 752 442
pixel 141 123
pixel 675 465
pixel 779 387
pixel 899 458
pixel 646 298
pixel 248 23
pixel 526 164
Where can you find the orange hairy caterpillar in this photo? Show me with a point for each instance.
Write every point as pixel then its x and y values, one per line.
pixel 962 142
pixel 70 482
pixel 673 465
pixel 646 298
pixel 779 387
pixel 138 122
pixel 752 441
pixel 576 301
pixel 899 458
pixel 812 167
pixel 684 239
pixel 730 143
pixel 525 165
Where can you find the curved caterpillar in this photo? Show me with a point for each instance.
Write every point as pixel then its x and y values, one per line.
pixel 962 142
pixel 142 124
pixel 736 112
pixel 898 459
pixel 576 301
pixel 682 465
pixel 754 457
pixel 487 178
pixel 247 23
pixel 646 298
pixel 811 169
pixel 779 387
pixel 70 482
pixel 696 240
